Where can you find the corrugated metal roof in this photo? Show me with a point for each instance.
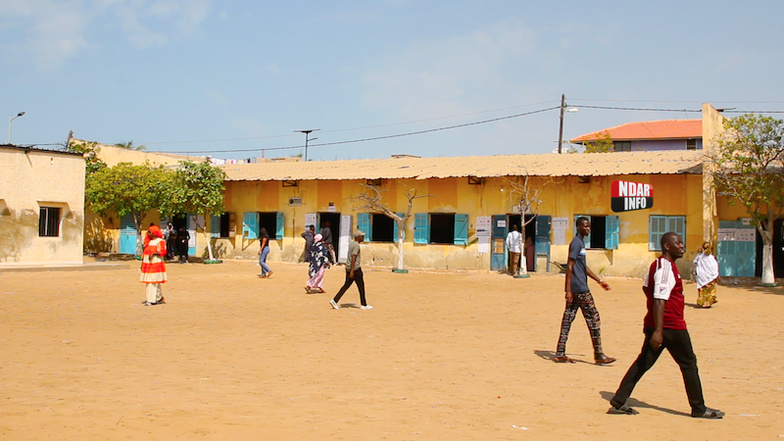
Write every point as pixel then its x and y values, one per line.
pixel 662 129
pixel 586 164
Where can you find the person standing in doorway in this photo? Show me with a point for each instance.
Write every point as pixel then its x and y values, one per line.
pixel 264 250
pixel 514 244
pixel 153 266
pixel 183 237
pixel 353 273
pixel 308 234
pixel 665 327
pixel 578 296
pixel 170 236
pixel 326 234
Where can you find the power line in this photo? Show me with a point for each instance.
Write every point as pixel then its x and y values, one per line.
pixel 376 138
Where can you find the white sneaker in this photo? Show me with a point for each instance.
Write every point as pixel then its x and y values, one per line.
pixel 365 307
pixel 334 305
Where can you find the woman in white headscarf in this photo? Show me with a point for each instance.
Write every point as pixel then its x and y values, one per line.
pixel 706 268
pixel 319 262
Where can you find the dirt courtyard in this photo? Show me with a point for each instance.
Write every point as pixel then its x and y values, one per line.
pixel 442 356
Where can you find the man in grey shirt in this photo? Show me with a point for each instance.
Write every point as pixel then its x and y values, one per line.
pixel 578 295
pixel 353 273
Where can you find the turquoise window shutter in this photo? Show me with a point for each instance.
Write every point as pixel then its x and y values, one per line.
pixel 214 226
pixel 394 233
pixel 611 232
pixel 421 228
pixel 461 229
pixel 280 225
pixel 363 224
pixel 656 228
pixel 250 225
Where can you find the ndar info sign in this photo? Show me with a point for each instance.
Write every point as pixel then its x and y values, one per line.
pixel 630 196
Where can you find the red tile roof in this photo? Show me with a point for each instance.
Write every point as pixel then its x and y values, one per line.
pixel 664 129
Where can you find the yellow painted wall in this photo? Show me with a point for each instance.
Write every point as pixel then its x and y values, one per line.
pixel 562 197
pixel 31 180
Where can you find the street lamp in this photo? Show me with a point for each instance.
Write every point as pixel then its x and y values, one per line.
pixel 307 138
pixel 10 123
pixel 560 127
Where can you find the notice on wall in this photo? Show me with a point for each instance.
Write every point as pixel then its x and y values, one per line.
pixel 737 235
pixel 560 225
pixel 483 233
pixel 310 219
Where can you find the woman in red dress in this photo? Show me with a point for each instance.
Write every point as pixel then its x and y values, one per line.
pixel 153 266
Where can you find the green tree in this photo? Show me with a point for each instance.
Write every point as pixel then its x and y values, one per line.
pixel 372 200
pixel 89 151
pixel 602 144
pixel 748 168
pixel 129 145
pixel 127 189
pixel 197 189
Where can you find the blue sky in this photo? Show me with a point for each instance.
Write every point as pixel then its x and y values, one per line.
pixel 233 78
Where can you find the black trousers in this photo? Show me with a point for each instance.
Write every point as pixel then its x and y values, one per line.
pixel 678 344
pixel 360 285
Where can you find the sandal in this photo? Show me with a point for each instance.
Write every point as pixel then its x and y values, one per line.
pixel 563 359
pixel 711 414
pixel 623 410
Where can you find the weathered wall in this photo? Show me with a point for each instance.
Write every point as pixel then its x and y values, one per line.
pixel 32 179
pixel 563 197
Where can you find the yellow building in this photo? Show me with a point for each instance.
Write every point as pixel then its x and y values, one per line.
pixel 41 207
pixel 466 206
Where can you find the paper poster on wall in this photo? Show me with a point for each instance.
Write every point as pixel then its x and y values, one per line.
pixel 483 233
pixel 560 224
pixel 483 246
pixel 310 219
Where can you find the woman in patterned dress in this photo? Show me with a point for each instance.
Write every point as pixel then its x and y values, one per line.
pixel 153 266
pixel 706 268
pixel 319 262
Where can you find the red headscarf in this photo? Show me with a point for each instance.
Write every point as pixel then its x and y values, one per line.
pixel 155 230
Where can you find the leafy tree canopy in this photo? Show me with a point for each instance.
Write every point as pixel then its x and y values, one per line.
pixel 90 152
pixel 195 188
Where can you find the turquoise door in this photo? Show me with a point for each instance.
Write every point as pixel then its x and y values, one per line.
pixel 499 230
pixel 127 235
pixel 737 249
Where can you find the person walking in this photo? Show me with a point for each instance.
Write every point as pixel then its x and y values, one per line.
pixel 308 235
pixel 153 266
pixel 514 244
pixel 264 250
pixel 183 237
pixel 665 327
pixel 353 273
pixel 319 262
pixel 578 295
pixel 705 268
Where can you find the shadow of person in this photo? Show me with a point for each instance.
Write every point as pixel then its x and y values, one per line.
pixel 550 356
pixel 637 404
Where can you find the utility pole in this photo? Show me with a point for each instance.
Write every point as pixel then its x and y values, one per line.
pixel 307 138
pixel 560 126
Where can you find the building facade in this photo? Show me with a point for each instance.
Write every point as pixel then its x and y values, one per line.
pixel 41 207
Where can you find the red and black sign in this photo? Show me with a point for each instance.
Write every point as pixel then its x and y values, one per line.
pixel 630 196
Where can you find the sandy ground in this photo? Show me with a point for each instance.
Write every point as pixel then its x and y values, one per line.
pixel 443 356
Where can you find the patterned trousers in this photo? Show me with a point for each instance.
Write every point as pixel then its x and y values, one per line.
pixel 583 301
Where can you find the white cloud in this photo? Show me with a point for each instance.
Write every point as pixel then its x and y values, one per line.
pixel 447 76
pixel 50 31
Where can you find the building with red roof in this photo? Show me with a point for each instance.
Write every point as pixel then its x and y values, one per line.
pixel 668 134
